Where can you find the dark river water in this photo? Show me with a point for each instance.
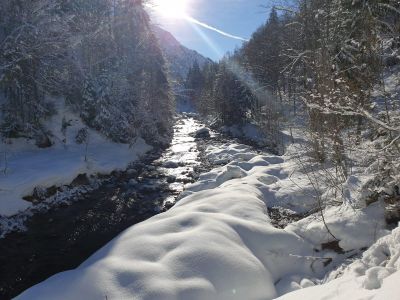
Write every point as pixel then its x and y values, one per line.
pixel 62 238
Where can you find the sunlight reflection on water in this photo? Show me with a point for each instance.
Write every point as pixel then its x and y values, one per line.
pixel 183 155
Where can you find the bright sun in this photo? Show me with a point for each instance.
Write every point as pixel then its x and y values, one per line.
pixel 171 8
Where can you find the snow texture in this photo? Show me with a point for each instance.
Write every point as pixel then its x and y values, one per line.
pixel 217 242
pixel 375 276
pixel 30 167
pixel 345 223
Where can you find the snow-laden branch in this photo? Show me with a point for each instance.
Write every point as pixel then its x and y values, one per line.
pixel 286 9
pixel 296 60
pixel 370 117
pixel 392 143
pixel 294 23
pixel 349 111
pixel 390 7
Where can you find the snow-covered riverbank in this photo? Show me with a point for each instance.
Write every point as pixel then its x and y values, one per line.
pixel 218 243
pixel 59 232
pixel 27 167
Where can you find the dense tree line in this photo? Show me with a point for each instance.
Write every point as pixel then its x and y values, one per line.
pixel 101 56
pixel 319 60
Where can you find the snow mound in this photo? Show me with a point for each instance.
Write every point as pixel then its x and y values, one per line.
pixel 375 276
pixel 214 244
pixel 218 242
pixel 226 153
pixel 345 223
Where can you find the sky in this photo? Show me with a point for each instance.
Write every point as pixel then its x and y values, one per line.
pixel 213 27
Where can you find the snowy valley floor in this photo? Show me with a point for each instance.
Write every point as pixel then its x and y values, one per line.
pixel 218 242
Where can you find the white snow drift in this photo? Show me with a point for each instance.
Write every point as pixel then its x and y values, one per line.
pixel 218 243
pixel 214 244
pixel 376 276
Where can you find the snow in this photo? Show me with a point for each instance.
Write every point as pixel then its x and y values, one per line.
pixel 345 223
pixel 30 167
pixel 250 132
pixel 375 276
pixel 225 153
pixel 218 242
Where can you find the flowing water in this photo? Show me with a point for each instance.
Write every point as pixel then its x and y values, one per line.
pixel 62 238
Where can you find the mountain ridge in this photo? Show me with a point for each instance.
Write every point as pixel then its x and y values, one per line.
pixel 179 58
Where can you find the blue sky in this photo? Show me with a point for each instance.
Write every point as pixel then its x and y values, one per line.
pixel 236 17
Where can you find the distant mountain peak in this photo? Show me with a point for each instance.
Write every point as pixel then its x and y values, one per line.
pixel 179 58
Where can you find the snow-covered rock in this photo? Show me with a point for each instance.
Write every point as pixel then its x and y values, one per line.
pixel 202 133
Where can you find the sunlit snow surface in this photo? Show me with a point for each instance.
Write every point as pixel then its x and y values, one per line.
pixel 376 276
pixel 214 244
pixel 218 242
pixel 30 167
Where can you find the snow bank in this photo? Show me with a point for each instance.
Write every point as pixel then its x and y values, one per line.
pixel 375 276
pixel 30 167
pixel 287 187
pixel 218 243
pixel 219 155
pixel 214 244
pixel 354 228
pixel 353 224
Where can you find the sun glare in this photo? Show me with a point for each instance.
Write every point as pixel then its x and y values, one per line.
pixel 175 9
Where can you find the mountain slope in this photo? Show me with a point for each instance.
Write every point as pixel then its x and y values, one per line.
pixel 179 58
